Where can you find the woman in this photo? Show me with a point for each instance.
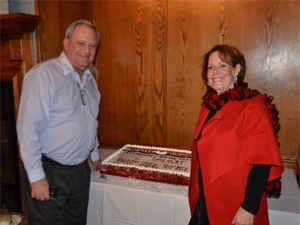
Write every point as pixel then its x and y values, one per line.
pixel 235 155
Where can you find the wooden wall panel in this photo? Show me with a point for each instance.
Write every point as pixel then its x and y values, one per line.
pixel 56 16
pixel 149 62
pixel 273 65
pixel 132 65
pixel 185 87
pixel 116 65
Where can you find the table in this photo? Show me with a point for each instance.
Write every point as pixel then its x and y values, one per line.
pixel 118 200
pixel 286 209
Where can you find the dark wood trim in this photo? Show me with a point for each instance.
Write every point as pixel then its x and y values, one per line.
pixel 9 70
pixel 292 162
pixel 15 25
pixel 289 159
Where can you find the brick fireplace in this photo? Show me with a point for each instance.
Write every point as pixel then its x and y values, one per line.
pixel 16 59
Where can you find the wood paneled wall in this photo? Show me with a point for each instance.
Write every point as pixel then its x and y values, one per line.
pixel 149 62
pixel 56 17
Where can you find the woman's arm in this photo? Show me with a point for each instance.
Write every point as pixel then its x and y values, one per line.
pixel 257 180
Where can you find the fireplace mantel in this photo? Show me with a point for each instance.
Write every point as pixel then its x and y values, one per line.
pixel 17 55
pixel 15 25
pixel 16 44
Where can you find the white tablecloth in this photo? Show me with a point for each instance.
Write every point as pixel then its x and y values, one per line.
pixel 118 200
pixel 286 209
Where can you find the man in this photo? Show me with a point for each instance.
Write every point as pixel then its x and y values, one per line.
pixel 57 131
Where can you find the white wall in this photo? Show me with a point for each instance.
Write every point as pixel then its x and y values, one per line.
pixel 21 6
pixel 4 7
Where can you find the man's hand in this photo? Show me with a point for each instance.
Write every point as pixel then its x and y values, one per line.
pixel 242 217
pixel 97 165
pixel 40 189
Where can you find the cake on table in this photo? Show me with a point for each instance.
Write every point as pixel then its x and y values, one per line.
pixel 150 163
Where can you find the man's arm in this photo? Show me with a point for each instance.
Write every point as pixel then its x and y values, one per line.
pixel 33 120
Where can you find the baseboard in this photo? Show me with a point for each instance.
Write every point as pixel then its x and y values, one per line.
pixel 291 162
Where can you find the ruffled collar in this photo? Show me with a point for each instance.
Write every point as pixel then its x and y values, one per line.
pixel 213 101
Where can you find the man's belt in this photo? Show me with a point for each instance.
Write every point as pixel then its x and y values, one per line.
pixel 45 158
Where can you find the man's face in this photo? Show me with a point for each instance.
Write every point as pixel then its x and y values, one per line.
pixel 80 49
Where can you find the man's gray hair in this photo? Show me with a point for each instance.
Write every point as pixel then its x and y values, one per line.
pixel 71 28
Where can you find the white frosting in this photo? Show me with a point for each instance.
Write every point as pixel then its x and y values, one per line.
pixel 158 148
pixel 161 151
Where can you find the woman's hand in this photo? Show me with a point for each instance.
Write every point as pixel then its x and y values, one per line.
pixel 242 217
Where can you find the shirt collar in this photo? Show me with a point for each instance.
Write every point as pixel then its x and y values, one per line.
pixel 68 68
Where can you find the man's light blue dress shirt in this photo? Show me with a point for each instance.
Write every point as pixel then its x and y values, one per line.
pixel 52 118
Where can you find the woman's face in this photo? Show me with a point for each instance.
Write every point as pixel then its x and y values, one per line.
pixel 220 74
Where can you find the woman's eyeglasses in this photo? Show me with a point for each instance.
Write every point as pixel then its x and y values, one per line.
pixel 83 97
